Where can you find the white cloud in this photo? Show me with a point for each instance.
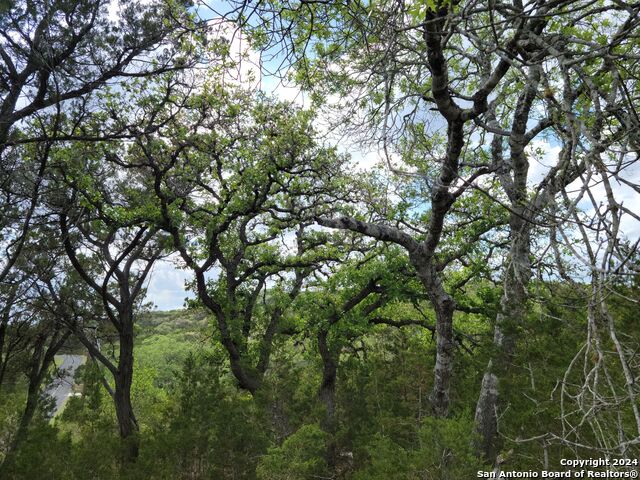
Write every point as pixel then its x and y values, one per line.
pixel 283 89
pixel 542 157
pixel 167 286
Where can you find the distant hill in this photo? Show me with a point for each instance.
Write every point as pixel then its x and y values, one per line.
pixel 159 322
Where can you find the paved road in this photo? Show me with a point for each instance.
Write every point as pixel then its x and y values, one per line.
pixel 60 387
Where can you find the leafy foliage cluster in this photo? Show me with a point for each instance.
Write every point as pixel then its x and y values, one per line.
pixel 467 304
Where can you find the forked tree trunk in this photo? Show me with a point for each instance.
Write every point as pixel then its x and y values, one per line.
pixel 517 272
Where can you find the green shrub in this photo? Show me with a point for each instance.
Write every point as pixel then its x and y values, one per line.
pixel 301 456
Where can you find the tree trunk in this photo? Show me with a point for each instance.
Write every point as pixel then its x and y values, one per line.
pixel 41 361
pixel 443 370
pixel 33 396
pixel 444 307
pixel 512 312
pixel 127 423
pixel 327 396
pixel 4 356
pixel 327 391
pixel 485 417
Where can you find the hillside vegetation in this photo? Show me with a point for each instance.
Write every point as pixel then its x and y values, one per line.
pixel 406 232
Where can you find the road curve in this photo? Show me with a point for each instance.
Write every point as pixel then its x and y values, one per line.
pixel 61 386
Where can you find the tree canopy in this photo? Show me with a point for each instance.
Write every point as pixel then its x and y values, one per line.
pixel 464 303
